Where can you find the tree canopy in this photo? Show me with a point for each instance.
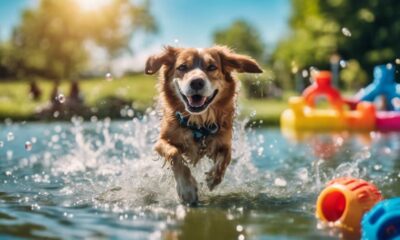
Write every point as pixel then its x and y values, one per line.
pixel 242 37
pixel 364 31
pixel 50 39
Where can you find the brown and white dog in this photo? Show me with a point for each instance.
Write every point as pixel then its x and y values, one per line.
pixel 197 94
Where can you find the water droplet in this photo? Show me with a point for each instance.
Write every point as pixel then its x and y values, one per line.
pixel 56 114
pixel 55 138
pixel 389 66
pixel 253 113
pixel 377 167
pixel 343 63
pixel 1 144
pixel 241 237
pixel 302 173
pixel 176 41
pixel 280 182
pixel 387 150
pixel 33 139
pixel 304 73
pixel 93 119
pixel 180 212
pixel 396 103
pixel 60 98
pixel 260 151
pixel 313 71
pixel 346 32
pixel 109 77
pixel 28 146
pixel 9 154
pixel 397 61
pixel 239 228
pixel 8 173
pixel 10 136
pixel 130 112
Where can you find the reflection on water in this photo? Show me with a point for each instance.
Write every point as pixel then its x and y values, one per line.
pixel 102 179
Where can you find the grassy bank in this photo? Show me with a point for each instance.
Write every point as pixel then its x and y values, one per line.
pixel 140 90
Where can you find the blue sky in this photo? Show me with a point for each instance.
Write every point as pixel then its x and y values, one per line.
pixel 191 22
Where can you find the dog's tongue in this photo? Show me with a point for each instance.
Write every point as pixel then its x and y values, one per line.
pixel 197 100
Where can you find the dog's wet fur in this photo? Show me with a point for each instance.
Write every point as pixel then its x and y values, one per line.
pixel 198 83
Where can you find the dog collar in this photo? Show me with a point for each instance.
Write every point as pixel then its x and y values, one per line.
pixel 199 133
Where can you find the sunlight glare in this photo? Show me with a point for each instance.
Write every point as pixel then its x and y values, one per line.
pixel 91 5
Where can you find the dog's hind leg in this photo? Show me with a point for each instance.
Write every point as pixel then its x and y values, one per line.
pixel 186 185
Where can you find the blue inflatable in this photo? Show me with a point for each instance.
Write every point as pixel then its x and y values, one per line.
pixel 383 221
pixel 383 84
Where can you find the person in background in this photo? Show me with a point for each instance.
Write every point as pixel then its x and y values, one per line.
pixel 34 91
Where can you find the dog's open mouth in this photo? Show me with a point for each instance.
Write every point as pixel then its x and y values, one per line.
pixel 197 103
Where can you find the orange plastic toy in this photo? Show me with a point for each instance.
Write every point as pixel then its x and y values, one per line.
pixel 345 200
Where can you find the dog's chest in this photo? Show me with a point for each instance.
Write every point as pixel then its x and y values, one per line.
pixel 194 150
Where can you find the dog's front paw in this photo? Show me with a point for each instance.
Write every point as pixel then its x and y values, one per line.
pixel 187 190
pixel 213 179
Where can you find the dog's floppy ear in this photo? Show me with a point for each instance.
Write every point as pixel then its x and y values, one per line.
pixel 241 63
pixel 167 57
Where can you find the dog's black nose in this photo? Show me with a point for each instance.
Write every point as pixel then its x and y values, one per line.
pixel 197 84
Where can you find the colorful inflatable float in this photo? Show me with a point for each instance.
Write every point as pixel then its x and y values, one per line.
pixel 304 116
pixel 385 87
pixel 350 115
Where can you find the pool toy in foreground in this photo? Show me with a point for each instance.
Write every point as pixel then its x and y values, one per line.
pixel 383 84
pixel 383 221
pixel 303 115
pixel 345 200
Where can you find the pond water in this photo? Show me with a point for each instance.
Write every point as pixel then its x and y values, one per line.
pixel 101 179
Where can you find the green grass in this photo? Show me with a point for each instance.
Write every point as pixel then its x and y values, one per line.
pixel 140 89
pixel 266 111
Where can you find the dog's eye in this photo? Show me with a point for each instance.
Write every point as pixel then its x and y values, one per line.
pixel 211 68
pixel 182 68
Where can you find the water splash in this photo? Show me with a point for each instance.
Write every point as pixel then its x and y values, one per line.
pixel 111 167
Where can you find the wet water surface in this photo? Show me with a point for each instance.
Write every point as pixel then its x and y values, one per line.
pixel 101 179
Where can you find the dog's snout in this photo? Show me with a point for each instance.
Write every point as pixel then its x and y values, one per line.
pixel 197 84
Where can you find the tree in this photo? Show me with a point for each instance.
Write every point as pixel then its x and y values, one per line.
pixel 50 40
pixel 243 38
pixel 366 31
pixel 353 76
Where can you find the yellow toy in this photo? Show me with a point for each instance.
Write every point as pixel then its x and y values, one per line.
pixel 302 114
pixel 345 200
